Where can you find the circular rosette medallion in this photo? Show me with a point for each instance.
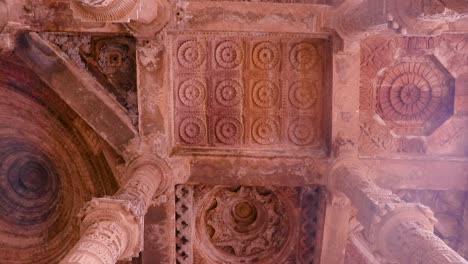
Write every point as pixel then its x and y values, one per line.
pixel 191 93
pixel 410 91
pixel 191 54
pixel 303 94
pixel 265 131
pixel 265 94
pixel 303 56
pixel 245 225
pixel 266 55
pixel 229 130
pixel 192 130
pixel 228 93
pixel 301 132
pixel 228 54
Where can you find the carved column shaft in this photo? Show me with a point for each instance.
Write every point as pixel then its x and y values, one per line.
pixel 396 230
pixel 113 226
pixel 102 243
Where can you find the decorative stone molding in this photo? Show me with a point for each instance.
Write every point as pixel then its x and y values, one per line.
pixel 113 226
pixel 143 17
pixel 108 10
pixel 398 231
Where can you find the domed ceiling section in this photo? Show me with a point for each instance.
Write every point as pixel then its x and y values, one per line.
pixel 48 169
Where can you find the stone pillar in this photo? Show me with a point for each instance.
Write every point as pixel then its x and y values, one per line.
pixel 113 226
pixel 397 231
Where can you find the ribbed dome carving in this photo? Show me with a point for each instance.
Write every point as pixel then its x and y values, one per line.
pixel 107 10
pixel 47 171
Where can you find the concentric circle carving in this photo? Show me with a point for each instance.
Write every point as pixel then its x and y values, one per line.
pixel 191 54
pixel 192 92
pixel 47 170
pixel 301 132
pixel 228 54
pixel 265 131
pixel 228 93
pixel 245 225
pixel 303 56
pixel 410 91
pixel 266 55
pixel 229 130
pixel 192 130
pixel 303 95
pixel 265 94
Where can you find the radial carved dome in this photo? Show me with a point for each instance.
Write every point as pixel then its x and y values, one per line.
pixel 245 225
pixel 46 171
pixel 415 95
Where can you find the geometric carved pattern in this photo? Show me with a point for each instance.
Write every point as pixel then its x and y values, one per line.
pixel 183 216
pixel 244 91
pixel 415 95
pixel 245 224
pixel 408 99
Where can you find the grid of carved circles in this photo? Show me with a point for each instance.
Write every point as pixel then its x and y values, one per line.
pixel 242 90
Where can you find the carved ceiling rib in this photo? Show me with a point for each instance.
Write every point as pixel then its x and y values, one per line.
pixel 78 89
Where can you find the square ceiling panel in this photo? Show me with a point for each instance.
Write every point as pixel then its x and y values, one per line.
pixel 249 93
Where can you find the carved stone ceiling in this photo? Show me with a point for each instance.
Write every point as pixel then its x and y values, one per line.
pixel 51 163
pixel 249 93
pixel 245 224
pixel 413 98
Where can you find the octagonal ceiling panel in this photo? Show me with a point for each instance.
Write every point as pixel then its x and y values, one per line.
pixel 249 93
pixel 415 95
pixel 412 96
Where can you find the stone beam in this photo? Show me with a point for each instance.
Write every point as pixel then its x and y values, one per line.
pixel 256 171
pixel 389 173
pixel 419 174
pixel 78 89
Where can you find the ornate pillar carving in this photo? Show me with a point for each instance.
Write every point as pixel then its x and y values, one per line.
pixel 113 226
pixel 397 231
